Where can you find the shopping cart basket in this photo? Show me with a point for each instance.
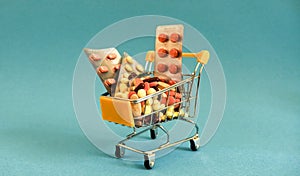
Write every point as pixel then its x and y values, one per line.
pixel 118 110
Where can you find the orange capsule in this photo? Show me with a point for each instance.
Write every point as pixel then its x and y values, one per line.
pixel 153 84
pixel 171 82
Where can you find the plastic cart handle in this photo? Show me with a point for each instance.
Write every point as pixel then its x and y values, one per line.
pixel 202 56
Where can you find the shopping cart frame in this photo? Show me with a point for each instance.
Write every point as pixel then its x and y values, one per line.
pixel 149 155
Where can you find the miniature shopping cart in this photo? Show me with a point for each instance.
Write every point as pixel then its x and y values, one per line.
pixel 112 112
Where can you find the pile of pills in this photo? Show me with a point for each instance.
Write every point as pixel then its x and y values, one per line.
pixel 106 62
pixel 129 69
pixel 165 106
pixel 168 49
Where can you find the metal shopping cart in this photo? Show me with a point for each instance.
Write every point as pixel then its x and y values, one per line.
pixel 112 111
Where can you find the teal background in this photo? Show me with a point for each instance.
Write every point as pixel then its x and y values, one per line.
pixel 258 44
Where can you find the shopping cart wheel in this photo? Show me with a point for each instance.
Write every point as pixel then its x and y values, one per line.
pixel 120 151
pixel 153 133
pixel 194 144
pixel 149 161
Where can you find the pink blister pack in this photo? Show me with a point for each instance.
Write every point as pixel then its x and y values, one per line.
pixel 106 63
pixel 168 51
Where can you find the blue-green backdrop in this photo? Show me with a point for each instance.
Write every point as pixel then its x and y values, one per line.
pixel 258 44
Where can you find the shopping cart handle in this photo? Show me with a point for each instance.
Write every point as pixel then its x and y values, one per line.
pixel 202 56
pixel 150 56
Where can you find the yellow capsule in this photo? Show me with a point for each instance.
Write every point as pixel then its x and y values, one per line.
pixel 148 109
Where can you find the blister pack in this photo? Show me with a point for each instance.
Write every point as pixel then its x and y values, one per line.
pixel 168 51
pixel 106 62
